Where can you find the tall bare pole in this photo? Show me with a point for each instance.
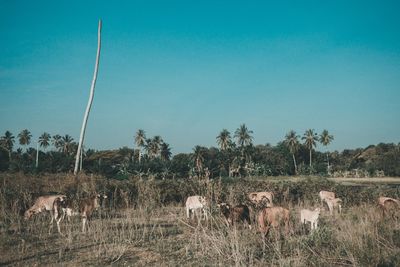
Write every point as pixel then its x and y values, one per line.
pixel 37 154
pixel 89 105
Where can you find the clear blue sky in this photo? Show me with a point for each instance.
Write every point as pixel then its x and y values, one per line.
pixel 187 69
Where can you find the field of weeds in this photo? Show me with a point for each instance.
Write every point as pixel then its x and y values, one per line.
pixel 143 223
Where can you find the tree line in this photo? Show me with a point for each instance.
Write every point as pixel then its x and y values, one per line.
pixel 234 156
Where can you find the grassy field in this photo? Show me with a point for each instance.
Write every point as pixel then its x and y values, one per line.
pixel 148 232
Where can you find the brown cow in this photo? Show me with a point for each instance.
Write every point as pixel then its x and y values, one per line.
pixel 238 213
pixel 258 198
pixel 87 206
pixel 272 217
pixel 386 204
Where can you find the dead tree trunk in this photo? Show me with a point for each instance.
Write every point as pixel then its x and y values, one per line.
pixel 89 105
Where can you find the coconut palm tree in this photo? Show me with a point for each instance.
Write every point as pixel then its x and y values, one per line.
pixel 157 141
pixel 67 143
pixel 292 142
pixel 224 139
pixel 140 141
pixel 325 139
pixel 24 137
pixel 310 138
pixel 198 157
pixel 44 140
pixel 165 152
pixel 7 141
pixel 148 147
pixel 57 142
pixel 243 136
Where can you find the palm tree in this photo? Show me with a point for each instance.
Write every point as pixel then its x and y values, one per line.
pixel 243 136
pixel 44 140
pixel 157 141
pixel 7 141
pixel 67 143
pixel 325 139
pixel 310 142
pixel 292 142
pixel 57 142
pixel 224 139
pixel 165 152
pixel 148 147
pixel 198 157
pixel 140 141
pixel 24 137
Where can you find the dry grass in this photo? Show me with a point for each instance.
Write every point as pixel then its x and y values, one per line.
pixel 152 234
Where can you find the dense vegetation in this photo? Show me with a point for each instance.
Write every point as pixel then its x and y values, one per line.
pixel 235 156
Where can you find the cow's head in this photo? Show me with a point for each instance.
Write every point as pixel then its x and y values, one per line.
pixel 318 210
pixel 28 214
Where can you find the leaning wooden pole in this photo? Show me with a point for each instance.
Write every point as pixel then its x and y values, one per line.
pixel 89 105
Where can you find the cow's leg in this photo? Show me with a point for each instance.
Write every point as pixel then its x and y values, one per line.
pixel 330 206
pixel 340 208
pixel 84 223
pixel 187 213
pixel 58 225
pixel 205 214
pixel 51 221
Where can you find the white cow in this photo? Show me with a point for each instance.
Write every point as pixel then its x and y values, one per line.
pixel 194 203
pixel 323 195
pixel 310 216
pixel 44 203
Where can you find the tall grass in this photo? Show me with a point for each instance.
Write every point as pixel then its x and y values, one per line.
pixel 144 224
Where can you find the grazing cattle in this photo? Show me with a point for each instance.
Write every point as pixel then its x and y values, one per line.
pixel 43 203
pixel 332 203
pixel 323 195
pixel 194 203
pixel 259 198
pixel 85 208
pixel 272 217
pixel 387 203
pixel 310 216
pixel 239 213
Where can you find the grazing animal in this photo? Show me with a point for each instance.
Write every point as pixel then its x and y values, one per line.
pixel 61 208
pixel 86 208
pixel 43 203
pixel 310 216
pixel 258 198
pixel 238 213
pixel 332 203
pixel 194 203
pixel 386 204
pixel 272 217
pixel 323 195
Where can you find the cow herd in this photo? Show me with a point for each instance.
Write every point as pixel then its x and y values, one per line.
pixel 270 216
pixel 259 210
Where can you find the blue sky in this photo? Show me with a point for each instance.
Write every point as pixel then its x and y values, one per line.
pixel 187 69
